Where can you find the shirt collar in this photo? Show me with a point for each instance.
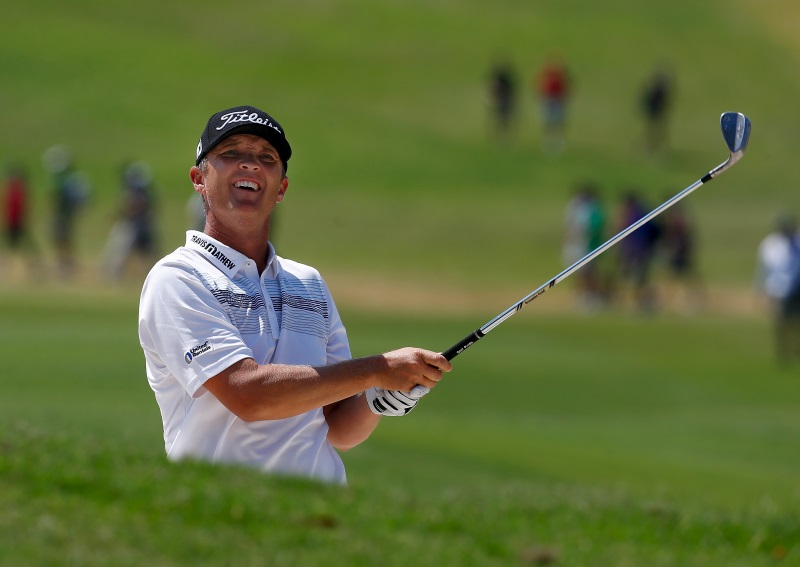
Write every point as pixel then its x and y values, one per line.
pixel 227 259
pixel 223 257
pixel 272 266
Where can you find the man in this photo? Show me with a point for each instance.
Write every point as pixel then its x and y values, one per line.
pixel 503 91
pixel 15 209
pixel 553 87
pixel 777 277
pixel 245 350
pixel 134 231
pixel 656 102
pixel 71 193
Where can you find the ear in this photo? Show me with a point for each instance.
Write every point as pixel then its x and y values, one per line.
pixel 282 190
pixel 198 180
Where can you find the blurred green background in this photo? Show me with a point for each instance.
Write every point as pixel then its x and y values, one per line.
pixel 610 439
pixel 395 171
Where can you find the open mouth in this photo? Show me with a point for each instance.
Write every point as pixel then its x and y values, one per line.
pixel 248 185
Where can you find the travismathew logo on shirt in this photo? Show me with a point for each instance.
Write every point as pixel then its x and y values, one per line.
pixel 213 251
pixel 195 351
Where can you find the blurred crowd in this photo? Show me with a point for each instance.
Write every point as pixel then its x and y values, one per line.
pixel 664 248
pixel 625 276
pixel 552 86
pixel 41 244
pixel 35 251
pixel 655 267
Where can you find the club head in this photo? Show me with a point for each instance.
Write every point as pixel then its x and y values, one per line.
pixel 736 132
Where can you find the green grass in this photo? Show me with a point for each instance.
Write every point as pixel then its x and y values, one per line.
pixel 71 502
pixel 600 440
pixel 386 107
pixel 562 438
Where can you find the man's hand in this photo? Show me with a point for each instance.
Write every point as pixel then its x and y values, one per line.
pixel 405 375
pixel 390 402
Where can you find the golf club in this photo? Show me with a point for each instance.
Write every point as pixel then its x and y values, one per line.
pixel 736 132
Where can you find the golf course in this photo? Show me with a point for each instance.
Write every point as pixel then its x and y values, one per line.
pixel 568 436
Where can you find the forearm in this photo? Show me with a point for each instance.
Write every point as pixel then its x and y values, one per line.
pixel 350 422
pixel 274 391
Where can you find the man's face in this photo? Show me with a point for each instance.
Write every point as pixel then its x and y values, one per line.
pixel 242 182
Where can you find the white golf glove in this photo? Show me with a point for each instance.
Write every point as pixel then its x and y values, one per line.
pixel 391 402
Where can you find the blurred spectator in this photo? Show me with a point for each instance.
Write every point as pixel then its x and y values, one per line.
pixel 656 104
pixel 70 193
pixel 584 232
pixel 15 207
pixel 678 247
pixel 575 222
pixel 553 86
pixel 636 251
pixel 16 214
pixel 503 92
pixel 134 231
pixel 778 278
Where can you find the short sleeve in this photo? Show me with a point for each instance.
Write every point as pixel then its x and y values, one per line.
pixel 183 329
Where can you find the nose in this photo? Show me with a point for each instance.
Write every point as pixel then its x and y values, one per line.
pixel 249 161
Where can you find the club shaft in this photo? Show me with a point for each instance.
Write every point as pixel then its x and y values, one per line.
pixel 478 334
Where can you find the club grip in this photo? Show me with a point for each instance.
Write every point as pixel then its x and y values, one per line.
pixel 463 345
pixel 419 391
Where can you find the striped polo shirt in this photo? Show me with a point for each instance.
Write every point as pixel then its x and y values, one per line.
pixel 204 307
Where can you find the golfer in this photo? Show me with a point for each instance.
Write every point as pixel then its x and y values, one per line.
pixel 245 351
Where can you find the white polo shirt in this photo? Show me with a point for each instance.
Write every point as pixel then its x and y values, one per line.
pixel 204 307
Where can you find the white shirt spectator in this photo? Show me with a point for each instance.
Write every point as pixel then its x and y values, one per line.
pixel 778 264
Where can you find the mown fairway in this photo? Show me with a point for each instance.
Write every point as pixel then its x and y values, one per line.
pixel 606 440
pixel 562 438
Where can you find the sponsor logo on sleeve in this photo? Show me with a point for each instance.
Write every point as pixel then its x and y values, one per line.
pixel 196 351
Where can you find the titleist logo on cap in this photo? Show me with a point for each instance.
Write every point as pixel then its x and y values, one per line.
pixel 243 120
pixel 243 116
